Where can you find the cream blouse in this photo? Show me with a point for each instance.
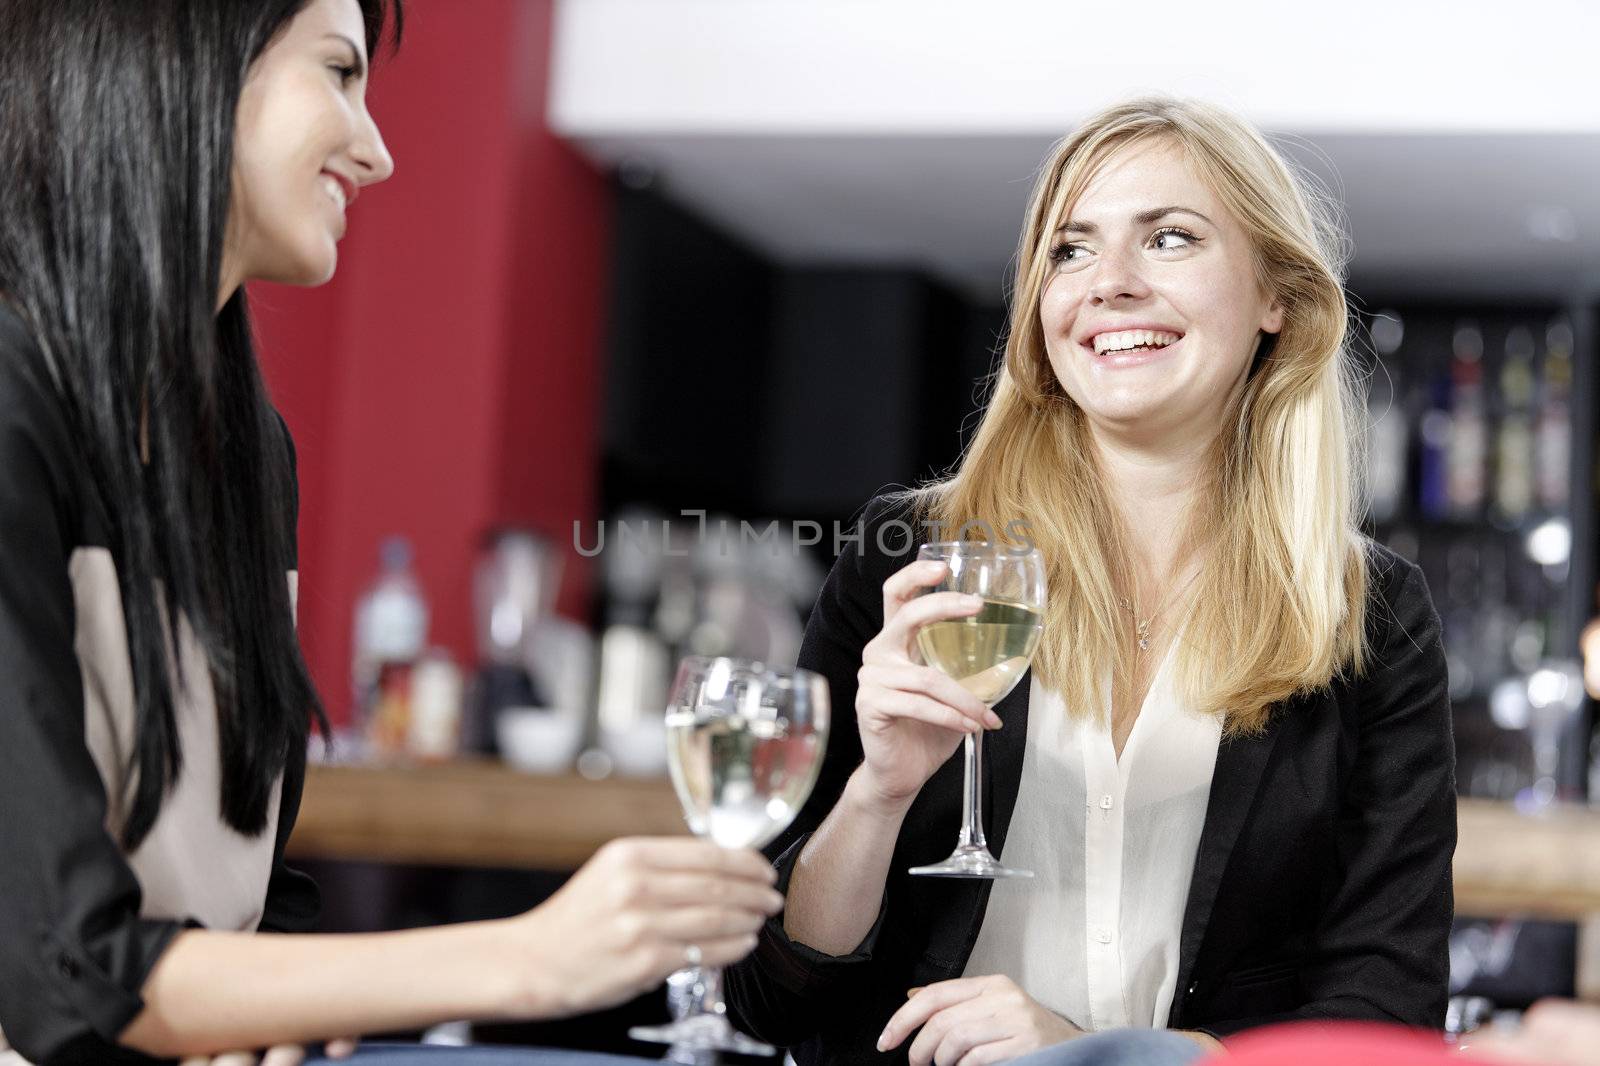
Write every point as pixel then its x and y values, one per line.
pixel 1094 935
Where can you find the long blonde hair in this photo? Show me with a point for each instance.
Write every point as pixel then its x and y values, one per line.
pixel 1277 606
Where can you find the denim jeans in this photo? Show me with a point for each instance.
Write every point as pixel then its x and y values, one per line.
pixel 1119 1047
pixel 440 1055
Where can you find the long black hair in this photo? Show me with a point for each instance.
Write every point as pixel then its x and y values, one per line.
pixel 117 123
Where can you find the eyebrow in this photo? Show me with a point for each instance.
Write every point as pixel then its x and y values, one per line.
pixel 1143 218
pixel 361 62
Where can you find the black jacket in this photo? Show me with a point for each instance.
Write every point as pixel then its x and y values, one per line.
pixel 1321 888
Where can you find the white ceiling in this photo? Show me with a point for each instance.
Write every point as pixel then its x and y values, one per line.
pixel 1466 153
pixel 1455 214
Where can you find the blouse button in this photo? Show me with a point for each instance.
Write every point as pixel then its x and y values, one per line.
pixel 1105 802
pixel 1103 935
pixel 1194 987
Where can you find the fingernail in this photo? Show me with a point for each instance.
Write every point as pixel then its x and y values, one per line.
pixel 993 720
pixel 883 1041
pixel 775 902
pixel 972 601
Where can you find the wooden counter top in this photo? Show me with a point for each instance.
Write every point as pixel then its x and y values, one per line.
pixel 484 814
pixel 1546 866
pixel 474 814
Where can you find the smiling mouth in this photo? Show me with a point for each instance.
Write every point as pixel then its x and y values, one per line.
pixel 1132 340
pixel 334 191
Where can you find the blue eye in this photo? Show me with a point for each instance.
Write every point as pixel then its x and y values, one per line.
pixel 1184 237
pixel 1062 254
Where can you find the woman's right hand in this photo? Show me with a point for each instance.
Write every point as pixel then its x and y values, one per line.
pixel 631 916
pixel 912 716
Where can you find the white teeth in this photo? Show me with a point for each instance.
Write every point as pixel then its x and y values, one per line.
pixel 1132 338
pixel 334 190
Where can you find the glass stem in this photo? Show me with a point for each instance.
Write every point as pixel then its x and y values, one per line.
pixel 708 993
pixel 972 793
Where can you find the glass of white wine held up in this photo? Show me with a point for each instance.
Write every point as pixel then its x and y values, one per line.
pixel 987 654
pixel 744 745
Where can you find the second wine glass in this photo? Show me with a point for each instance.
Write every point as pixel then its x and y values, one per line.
pixel 744 744
pixel 987 653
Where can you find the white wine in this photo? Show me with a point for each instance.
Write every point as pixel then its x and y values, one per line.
pixel 740 780
pixel 987 652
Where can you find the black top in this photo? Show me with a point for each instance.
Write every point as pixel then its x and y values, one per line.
pixel 1321 887
pixel 74 947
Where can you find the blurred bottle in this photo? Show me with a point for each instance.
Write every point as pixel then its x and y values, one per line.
pixel 1514 465
pixel 742 606
pixel 1467 447
pixel 1433 497
pixel 434 728
pixel 631 700
pixel 391 630
pixel 512 587
pixel 1554 431
pixel 531 693
pixel 635 654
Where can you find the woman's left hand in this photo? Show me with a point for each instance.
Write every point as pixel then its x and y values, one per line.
pixel 974 1021
pixel 282 1055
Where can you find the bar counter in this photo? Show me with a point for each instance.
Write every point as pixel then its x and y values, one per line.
pixel 474 813
pixel 485 814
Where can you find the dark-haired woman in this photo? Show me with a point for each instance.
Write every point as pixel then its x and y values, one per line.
pixel 154 707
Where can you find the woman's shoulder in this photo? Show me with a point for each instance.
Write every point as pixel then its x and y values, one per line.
pixel 890 507
pixel 881 537
pixel 1398 599
pixel 889 527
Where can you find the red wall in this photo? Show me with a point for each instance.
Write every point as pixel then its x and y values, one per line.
pixel 447 379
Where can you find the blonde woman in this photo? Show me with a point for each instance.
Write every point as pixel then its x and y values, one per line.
pixel 1231 768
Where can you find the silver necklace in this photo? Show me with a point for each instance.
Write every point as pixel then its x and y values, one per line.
pixel 1141 626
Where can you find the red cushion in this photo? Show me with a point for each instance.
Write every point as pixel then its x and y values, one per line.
pixel 1337 1044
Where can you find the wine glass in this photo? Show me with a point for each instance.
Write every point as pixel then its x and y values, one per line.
pixel 744 744
pixel 987 653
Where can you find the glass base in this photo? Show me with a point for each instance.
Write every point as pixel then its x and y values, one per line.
pixel 970 860
pixel 683 1055
pixel 700 1033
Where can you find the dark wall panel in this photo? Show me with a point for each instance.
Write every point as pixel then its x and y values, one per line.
pixel 686 362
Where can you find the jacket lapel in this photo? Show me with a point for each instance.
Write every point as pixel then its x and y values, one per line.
pixel 1234 784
